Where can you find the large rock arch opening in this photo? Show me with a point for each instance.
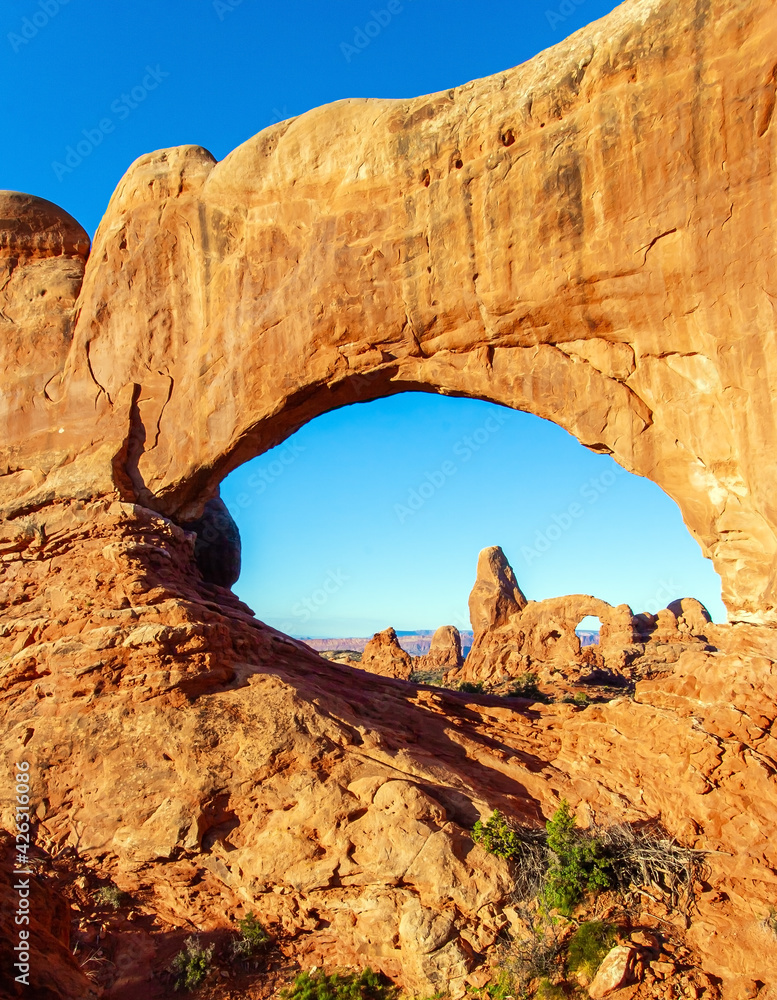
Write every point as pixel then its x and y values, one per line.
pixel 589 237
pixel 567 237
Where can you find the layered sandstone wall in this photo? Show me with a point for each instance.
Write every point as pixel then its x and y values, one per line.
pixel 515 636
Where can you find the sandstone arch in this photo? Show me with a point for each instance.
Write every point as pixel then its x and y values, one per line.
pixel 574 237
pixel 542 631
pixel 602 256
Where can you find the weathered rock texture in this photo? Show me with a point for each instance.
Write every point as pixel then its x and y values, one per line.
pixel 545 631
pixel 201 758
pixel 55 971
pixel 496 595
pixel 383 655
pixel 615 972
pixel 43 253
pixel 444 651
pixel 589 237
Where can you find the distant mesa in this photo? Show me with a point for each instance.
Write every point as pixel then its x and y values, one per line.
pixel 417 642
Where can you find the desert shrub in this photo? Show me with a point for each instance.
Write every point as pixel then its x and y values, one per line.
pixel 496 836
pixel 94 965
pixel 650 857
pixel 589 945
pixel 580 699
pixel 563 863
pixel 770 920
pixel 109 895
pixel 467 687
pixel 535 954
pixel 501 988
pixel 317 985
pixel 579 864
pixel 525 686
pixel 191 965
pixel 253 938
pixel 432 677
pixel 523 847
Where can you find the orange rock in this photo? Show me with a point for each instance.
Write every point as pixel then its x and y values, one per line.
pixel 496 595
pixel 542 634
pixel 297 786
pixel 615 971
pixel 383 655
pixel 619 329
pixel 507 240
pixel 52 970
pixel 43 254
pixel 691 615
pixel 444 650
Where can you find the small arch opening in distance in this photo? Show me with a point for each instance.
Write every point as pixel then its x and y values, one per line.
pixel 587 630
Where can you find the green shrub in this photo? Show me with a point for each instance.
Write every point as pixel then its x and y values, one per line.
pixel 467 687
pixel 523 847
pixel 589 945
pixel 191 965
pixel 502 987
pixel 253 938
pixel 580 699
pixel 496 836
pixel 432 677
pixel 546 990
pixel 317 985
pixel 109 895
pixel 525 686
pixel 561 866
pixel 578 866
pixel 558 866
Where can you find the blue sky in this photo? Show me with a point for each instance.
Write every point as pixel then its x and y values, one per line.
pixel 332 542
pixel 350 530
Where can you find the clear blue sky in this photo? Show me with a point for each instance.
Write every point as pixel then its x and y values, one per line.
pixel 332 544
